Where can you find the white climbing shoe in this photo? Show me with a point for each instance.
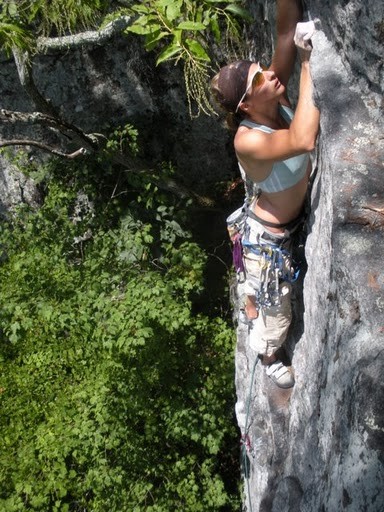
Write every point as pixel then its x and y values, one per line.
pixel 280 374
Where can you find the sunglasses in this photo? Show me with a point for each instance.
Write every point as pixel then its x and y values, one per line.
pixel 257 79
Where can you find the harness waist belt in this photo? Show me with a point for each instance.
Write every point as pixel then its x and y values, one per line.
pixel 288 225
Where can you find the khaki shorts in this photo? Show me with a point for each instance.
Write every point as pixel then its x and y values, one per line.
pixel 268 332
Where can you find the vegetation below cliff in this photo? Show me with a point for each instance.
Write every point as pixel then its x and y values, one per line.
pixel 116 386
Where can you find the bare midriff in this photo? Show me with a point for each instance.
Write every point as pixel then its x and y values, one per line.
pixel 282 207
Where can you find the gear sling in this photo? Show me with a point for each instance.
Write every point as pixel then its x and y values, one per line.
pixel 277 262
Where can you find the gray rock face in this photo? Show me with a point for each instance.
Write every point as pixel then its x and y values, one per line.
pixel 320 446
pixel 101 86
pixel 15 188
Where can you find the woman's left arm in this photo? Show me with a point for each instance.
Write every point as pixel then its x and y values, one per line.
pixel 289 13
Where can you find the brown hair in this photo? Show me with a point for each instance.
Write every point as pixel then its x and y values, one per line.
pixel 228 86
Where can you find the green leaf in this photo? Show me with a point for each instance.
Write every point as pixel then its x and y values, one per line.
pixel 165 4
pixel 239 11
pixel 12 9
pixel 174 9
pixel 178 36
pixel 168 52
pixel 145 25
pixel 141 8
pixel 149 19
pixel 197 50
pixel 215 28
pixel 139 29
pixel 191 25
pixel 153 38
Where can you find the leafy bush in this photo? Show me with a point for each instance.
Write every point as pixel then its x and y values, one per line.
pixel 185 30
pixel 115 396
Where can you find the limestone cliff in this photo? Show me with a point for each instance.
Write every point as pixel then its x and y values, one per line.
pixel 320 447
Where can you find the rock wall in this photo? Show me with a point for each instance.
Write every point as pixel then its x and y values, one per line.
pixel 320 446
pixel 101 86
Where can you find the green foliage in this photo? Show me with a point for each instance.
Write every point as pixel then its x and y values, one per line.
pixel 183 30
pixel 123 138
pixel 23 20
pixel 14 36
pixel 62 16
pixel 114 394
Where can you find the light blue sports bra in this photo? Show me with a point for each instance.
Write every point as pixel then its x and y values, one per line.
pixel 285 173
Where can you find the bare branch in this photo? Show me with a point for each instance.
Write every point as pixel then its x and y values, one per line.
pixel 69 130
pixel 54 44
pixel 91 142
pixel 44 147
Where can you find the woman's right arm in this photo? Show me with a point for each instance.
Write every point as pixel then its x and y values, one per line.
pixel 305 124
pixel 289 13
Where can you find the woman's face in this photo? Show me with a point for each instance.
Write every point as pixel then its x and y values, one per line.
pixel 265 87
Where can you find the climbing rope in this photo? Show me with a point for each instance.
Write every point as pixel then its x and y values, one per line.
pixel 245 440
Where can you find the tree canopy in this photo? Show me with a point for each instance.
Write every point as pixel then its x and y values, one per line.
pixel 116 389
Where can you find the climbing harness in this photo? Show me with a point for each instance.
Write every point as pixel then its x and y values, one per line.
pixel 276 261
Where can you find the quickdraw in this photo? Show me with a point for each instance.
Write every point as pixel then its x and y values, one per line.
pixel 237 255
pixel 236 226
pixel 276 267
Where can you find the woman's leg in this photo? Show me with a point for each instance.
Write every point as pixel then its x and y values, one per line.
pixel 266 360
pixel 266 335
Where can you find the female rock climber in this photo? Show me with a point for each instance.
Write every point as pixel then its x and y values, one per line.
pixel 272 145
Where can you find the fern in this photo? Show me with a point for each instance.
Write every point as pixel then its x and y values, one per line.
pixel 52 17
pixel 66 16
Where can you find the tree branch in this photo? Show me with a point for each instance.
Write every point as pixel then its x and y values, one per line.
pixel 24 69
pixel 48 116
pixel 90 142
pixel 55 44
pixel 44 147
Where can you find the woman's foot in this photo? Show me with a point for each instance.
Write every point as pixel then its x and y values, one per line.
pixel 280 374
